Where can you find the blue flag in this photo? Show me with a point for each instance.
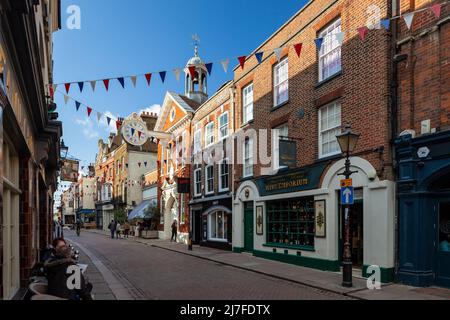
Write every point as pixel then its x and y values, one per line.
pixel 162 74
pixel 318 42
pixel 77 104
pixel 259 56
pixel 209 67
pixel 386 23
pixel 122 82
pixel 132 131
pixel 108 119
pixel 145 163
pixel 81 85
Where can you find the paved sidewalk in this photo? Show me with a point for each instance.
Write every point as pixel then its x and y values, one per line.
pixel 323 280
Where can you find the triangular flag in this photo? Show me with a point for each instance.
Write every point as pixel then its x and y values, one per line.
pixel 242 61
pixel 118 125
pixel 66 98
pixel 148 76
pixel 99 116
pixel 89 110
pixel 133 80
pixel 93 84
pixel 162 74
pixel 209 67
pixel 277 52
pixel 67 85
pixel 126 165
pixel 318 42
pixel 52 91
pixel 408 17
pixel 145 163
pixel 132 131
pixel 77 104
pixel 363 32
pixel 259 56
pixel 55 86
pixel 177 74
pixel 436 10
pixel 106 83
pixel 108 120
pixel 298 48
pixel 192 71
pixel 139 164
pixel 340 37
pixel 225 64
pixel 385 23
pixel 122 82
pixel 81 86
pixel 139 134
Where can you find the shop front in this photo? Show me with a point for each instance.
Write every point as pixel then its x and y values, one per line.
pixel 105 214
pixel 88 217
pixel 296 217
pixel 424 209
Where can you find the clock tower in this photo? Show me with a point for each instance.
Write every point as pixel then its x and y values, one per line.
pixel 196 75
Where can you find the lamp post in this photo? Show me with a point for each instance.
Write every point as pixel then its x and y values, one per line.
pixel 63 149
pixel 347 141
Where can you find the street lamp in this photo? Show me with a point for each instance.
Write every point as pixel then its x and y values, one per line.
pixel 347 141
pixel 63 149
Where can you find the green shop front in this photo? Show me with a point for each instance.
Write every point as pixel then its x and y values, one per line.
pixel 295 216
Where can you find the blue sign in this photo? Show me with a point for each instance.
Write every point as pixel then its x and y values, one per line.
pixel 347 195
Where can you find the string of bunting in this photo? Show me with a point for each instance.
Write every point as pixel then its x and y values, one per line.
pixel 362 31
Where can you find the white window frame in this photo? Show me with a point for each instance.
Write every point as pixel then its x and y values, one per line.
pixel 246 115
pixel 210 225
pixel 183 148
pixel 323 131
pixel 278 83
pixel 197 141
pixel 221 174
pixel 209 134
pixel 249 142
pixel 330 46
pixel 277 136
pixel 198 182
pixel 208 178
pixel 223 126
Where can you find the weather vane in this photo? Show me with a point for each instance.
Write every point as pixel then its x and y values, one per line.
pixel 196 43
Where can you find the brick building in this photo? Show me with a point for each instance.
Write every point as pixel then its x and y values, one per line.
pixel 289 208
pixel 422 126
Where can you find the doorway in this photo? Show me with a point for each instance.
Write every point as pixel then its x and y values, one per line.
pixel 196 226
pixel 248 226
pixel 443 245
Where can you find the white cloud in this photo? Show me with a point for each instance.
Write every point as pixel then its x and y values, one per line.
pixel 88 128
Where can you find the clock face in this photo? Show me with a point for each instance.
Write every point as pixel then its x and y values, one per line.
pixel 134 132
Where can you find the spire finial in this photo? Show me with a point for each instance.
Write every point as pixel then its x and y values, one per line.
pixel 196 39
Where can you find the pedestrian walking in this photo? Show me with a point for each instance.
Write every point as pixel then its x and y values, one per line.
pixel 126 229
pixel 174 231
pixel 118 229
pixel 112 228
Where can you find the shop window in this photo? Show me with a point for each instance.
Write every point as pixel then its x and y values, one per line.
pixel 290 223
pixel 444 227
pixel 217 222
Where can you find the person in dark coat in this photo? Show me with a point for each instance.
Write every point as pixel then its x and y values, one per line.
pixel 112 227
pixel 57 274
pixel 174 231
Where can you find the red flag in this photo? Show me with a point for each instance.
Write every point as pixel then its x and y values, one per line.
pixel 139 134
pixel 67 85
pixel 148 76
pixel 242 61
pixel 120 165
pixel 89 110
pixel 298 48
pixel 363 32
pixel 52 92
pixel 139 164
pixel 118 125
pixel 106 83
pixel 100 167
pixel 436 10
pixel 192 71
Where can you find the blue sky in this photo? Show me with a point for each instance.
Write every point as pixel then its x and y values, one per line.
pixel 119 38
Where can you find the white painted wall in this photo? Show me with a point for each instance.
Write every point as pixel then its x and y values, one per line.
pixel 135 173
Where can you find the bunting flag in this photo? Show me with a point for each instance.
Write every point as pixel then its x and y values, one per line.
pixel 52 92
pixel 81 86
pixel 77 104
pixel 318 42
pixel 139 134
pixel 108 120
pixel 408 17
pixel 118 125
pixel 99 116
pixel 133 80
pixel 177 72
pixel 162 74
pixel 340 37
pixel 93 84
pixel 106 83
pixel 298 48
pixel 121 81
pixel 148 76
pixel 89 110
pixel 385 23
pixel 192 71
pixel 209 67
pixel 436 10
pixel 139 164
pixel 145 163
pixel 132 132
pixel 225 64
pixel 126 165
pixel 55 86
pixel 363 32
pixel 277 52
pixel 67 85
pixel 66 98
pixel 259 56
pixel 242 61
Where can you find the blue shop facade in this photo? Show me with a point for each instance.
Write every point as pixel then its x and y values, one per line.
pixel 423 190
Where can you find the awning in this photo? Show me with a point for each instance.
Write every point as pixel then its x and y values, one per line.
pixel 86 212
pixel 139 211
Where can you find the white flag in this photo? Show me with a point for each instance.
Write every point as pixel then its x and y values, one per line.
pixel 93 83
pixel 225 64
pixel 177 73
pixel 408 17
pixel 339 37
pixel 277 52
pixel 99 116
pixel 66 98
pixel 54 87
pixel 133 80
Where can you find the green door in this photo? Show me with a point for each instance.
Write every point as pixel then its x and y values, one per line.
pixel 248 226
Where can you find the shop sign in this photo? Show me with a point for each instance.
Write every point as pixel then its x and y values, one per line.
pixel 183 185
pixel 288 153
pixel 69 170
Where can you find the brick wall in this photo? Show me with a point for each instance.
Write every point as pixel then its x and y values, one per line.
pixel 362 87
pixel 424 77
